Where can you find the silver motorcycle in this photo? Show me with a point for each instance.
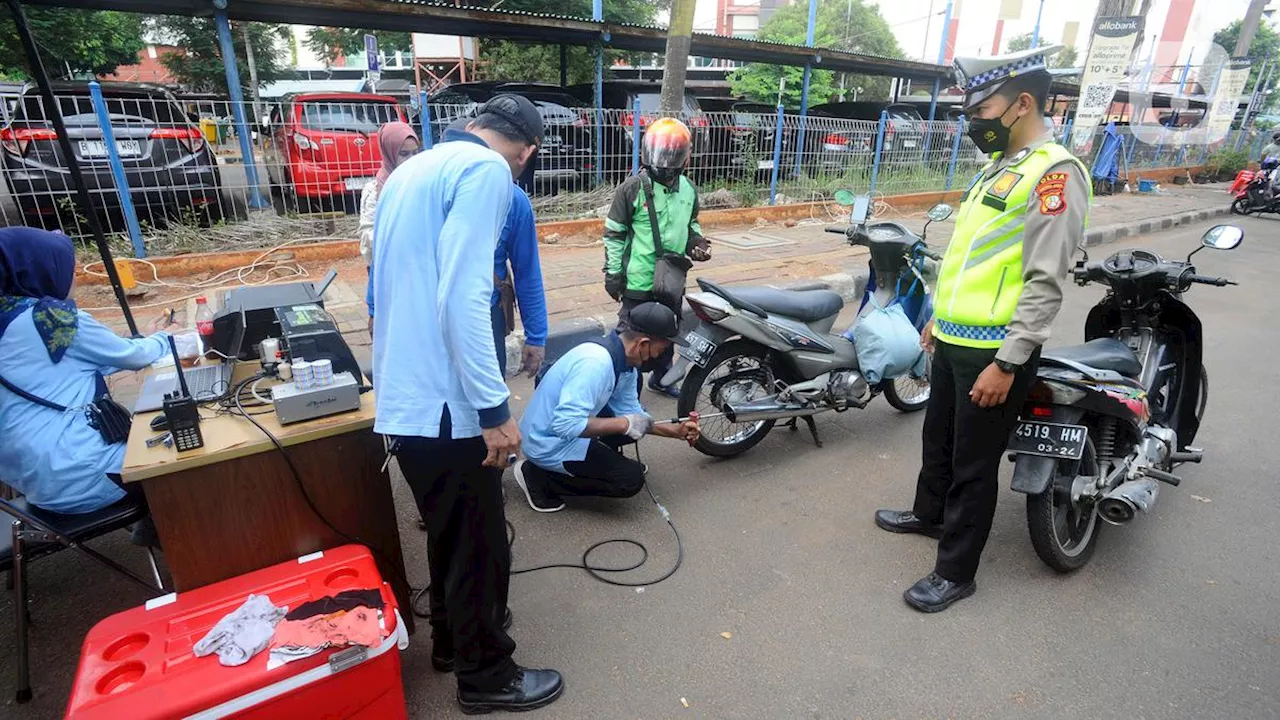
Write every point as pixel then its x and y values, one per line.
pixel 760 355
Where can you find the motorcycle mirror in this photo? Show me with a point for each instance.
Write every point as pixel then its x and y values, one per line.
pixel 845 198
pixel 1223 237
pixel 939 212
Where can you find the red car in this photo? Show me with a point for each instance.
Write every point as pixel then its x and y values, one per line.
pixel 324 146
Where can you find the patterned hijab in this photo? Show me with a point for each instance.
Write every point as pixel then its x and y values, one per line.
pixel 36 270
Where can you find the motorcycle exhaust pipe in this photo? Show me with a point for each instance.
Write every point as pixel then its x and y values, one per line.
pixel 768 409
pixel 1120 505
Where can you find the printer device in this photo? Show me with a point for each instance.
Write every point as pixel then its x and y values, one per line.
pixel 309 333
pixel 257 304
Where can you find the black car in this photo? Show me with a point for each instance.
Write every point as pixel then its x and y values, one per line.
pixel 741 137
pixel 838 145
pixel 167 163
pixel 567 155
pixel 619 99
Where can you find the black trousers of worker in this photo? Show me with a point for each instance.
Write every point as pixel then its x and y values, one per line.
pixel 461 504
pixel 604 472
pixel 963 444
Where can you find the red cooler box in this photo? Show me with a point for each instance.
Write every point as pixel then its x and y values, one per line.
pixel 138 664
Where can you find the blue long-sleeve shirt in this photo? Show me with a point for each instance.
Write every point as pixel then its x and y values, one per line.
pixel 435 231
pixel 584 381
pixel 55 458
pixel 517 244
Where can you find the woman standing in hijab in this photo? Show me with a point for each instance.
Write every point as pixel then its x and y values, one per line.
pixel 54 351
pixel 397 142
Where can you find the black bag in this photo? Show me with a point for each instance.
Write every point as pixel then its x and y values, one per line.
pixel 105 415
pixel 670 270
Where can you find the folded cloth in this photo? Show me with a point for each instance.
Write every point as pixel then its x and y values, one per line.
pixel 345 600
pixel 243 633
pixel 297 639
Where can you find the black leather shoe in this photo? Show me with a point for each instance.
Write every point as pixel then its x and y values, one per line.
pixel 905 521
pixel 528 690
pixel 442 661
pixel 935 593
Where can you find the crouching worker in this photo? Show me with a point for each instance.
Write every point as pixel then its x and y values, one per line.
pixel 586 408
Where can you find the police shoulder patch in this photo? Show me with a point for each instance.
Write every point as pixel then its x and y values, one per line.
pixel 1052 191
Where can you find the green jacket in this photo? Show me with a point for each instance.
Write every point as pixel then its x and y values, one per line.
pixel 628 235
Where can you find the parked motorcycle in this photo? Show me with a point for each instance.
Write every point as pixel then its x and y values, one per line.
pixel 1255 197
pixel 1107 421
pixel 760 355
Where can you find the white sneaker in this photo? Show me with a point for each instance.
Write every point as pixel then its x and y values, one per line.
pixel 519 473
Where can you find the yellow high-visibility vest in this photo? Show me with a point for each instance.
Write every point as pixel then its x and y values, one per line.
pixel 981 276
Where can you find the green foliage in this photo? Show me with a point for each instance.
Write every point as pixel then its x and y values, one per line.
pixel 855 26
pixel 1018 43
pixel 522 61
pixel 328 42
pixel 1228 160
pixel 1065 58
pixel 200 68
pixel 1266 46
pixel 86 42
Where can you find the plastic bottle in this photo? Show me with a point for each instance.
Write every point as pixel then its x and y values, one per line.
pixel 204 326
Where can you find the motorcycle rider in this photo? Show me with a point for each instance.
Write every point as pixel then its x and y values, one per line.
pixel 1271 149
pixel 997 294
pixel 630 251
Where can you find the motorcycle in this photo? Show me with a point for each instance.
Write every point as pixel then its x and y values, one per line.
pixel 1106 422
pixel 760 355
pixel 1256 196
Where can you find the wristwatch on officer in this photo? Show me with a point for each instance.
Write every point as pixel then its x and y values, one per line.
pixel 1008 367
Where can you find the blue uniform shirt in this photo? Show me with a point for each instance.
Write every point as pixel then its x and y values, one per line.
pixel 435 231
pixel 584 381
pixel 55 458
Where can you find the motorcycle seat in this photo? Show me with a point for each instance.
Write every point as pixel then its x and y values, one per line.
pixel 1102 354
pixel 804 305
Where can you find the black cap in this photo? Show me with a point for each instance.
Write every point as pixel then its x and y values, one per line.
pixel 518 111
pixel 655 320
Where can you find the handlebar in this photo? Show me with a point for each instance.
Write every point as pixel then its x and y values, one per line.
pixel 1205 280
pixel 838 229
pixel 937 257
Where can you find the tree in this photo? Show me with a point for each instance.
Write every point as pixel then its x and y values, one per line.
pixel 74 42
pixel 199 67
pixel 1066 58
pixel 1266 46
pixel 1018 43
pixel 533 62
pixel 853 25
pixel 330 42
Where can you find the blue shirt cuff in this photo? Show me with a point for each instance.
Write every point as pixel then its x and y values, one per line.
pixel 495 416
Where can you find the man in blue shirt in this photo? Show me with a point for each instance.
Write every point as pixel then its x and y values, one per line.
pixel 587 406
pixel 441 397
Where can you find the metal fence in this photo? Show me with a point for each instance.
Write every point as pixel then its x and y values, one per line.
pixel 193 183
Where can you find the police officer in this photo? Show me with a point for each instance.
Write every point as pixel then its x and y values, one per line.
pixel 998 291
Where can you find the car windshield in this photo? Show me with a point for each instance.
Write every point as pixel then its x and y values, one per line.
pixel 77 109
pixel 347 115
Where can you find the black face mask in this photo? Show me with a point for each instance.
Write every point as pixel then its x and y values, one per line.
pixel 665 176
pixel 991 134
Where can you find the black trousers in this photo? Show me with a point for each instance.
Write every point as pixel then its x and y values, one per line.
pixel 963 443
pixel 461 504
pixel 604 472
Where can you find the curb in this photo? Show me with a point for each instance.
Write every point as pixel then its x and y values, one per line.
pixel 1112 233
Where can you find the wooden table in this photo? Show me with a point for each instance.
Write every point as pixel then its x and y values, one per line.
pixel 235 506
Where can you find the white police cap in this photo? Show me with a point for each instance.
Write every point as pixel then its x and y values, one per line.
pixel 982 77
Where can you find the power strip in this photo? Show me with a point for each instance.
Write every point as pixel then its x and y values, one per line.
pixel 294 405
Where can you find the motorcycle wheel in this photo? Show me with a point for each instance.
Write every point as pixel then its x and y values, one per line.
pixel 738 371
pixel 1241 206
pixel 1063 533
pixel 1204 393
pixel 908 394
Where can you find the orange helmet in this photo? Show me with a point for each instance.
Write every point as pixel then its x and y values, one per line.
pixel 667 144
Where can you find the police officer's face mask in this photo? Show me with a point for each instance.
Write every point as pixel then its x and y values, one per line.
pixel 991 134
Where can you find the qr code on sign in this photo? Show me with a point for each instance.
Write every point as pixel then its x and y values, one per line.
pixel 1098 95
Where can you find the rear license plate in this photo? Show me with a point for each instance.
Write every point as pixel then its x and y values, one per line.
pixel 1049 439
pixel 700 349
pixel 358 183
pixel 98 148
pixel 908 143
pixel 764 165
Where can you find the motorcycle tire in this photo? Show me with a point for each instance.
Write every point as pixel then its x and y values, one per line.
pixel 907 405
pixel 1050 510
pixel 749 434
pixel 1241 206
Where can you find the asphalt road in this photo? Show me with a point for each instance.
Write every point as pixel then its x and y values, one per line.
pixel 1176 617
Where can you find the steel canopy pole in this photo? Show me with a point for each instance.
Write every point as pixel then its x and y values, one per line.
pixel 54 114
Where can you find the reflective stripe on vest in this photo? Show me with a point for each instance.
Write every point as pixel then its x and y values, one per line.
pixel 980 280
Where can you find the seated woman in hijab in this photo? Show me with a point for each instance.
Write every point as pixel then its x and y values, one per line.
pixel 56 352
